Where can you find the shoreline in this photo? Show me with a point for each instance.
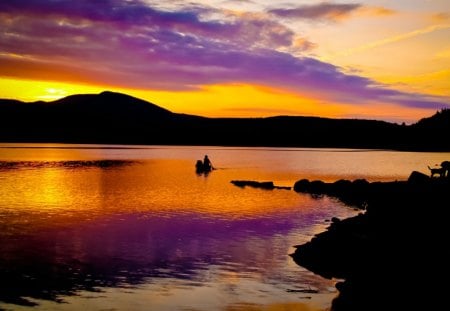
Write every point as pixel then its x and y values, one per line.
pixel 391 254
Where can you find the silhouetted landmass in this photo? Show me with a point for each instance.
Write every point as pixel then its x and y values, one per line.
pixel 121 119
pixel 392 256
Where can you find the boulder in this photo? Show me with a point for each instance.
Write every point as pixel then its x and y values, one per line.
pixel 418 178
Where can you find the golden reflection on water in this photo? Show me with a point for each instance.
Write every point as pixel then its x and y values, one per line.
pixel 156 186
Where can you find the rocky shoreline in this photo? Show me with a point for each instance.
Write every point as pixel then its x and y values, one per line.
pixel 392 255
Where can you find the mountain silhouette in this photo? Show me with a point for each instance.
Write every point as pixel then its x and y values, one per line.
pixel 112 104
pixel 117 118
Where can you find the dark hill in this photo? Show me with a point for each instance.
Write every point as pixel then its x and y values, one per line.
pixel 117 118
pixel 110 103
pixel 298 131
pixel 432 133
pixel 439 121
pixel 107 117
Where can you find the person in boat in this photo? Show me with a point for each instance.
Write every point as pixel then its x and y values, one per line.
pixel 207 165
pixel 204 166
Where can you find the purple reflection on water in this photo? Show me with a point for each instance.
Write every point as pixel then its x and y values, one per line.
pixel 138 249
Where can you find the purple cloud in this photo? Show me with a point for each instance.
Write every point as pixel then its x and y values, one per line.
pixel 324 10
pixel 129 44
pixel 130 15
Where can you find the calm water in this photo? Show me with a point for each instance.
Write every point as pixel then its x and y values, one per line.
pixel 99 227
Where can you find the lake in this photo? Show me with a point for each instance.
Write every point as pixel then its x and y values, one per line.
pixel 107 227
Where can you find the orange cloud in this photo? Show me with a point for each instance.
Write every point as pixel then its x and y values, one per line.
pixel 375 11
pixel 19 67
pixel 441 17
pixel 303 44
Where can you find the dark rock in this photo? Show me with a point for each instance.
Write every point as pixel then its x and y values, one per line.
pixel 404 226
pixel 268 185
pixel 351 193
pixel 317 187
pixel 342 183
pixel 302 185
pixel 418 178
pixel 360 183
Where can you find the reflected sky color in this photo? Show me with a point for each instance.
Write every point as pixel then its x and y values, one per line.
pixel 369 58
pixel 115 225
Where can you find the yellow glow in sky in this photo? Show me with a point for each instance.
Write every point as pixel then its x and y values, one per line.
pixel 29 90
pixel 220 101
pixel 212 101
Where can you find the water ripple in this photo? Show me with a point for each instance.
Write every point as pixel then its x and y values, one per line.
pixel 8 165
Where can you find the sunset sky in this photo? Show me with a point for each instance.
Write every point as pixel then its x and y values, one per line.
pixel 371 59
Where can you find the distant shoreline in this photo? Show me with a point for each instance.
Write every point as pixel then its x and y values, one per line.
pixel 114 118
pixel 149 146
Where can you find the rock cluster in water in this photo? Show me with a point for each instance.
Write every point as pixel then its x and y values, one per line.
pixel 392 255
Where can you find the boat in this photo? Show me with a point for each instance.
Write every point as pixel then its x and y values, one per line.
pixel 201 168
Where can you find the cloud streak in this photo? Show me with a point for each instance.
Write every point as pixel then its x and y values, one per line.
pixel 328 11
pixel 324 10
pixel 398 38
pixel 131 44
